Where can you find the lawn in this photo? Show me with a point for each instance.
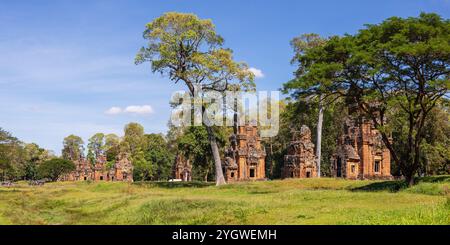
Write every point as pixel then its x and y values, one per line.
pixel 306 201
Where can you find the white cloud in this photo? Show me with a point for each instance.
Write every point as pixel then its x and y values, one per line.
pixel 144 109
pixel 132 109
pixel 113 110
pixel 257 72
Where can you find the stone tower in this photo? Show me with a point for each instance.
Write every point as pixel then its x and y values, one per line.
pixel 360 151
pixel 182 169
pixel 245 158
pixel 300 161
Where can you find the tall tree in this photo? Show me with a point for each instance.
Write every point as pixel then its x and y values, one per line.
pixel 11 156
pixel 159 156
pixel 134 138
pixel 402 62
pixel 112 146
pixel 96 146
pixel 187 49
pixel 195 146
pixel 135 143
pixel 301 45
pixel 73 148
pixel 34 156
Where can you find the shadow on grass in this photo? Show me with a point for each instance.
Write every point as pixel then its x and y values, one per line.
pixel 391 186
pixel 434 179
pixel 397 185
pixel 171 185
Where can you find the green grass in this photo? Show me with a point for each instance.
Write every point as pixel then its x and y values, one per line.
pixel 307 201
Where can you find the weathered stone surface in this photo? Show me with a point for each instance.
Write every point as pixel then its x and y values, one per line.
pixel 360 151
pixel 300 161
pixel 245 158
pixel 182 169
pixel 121 170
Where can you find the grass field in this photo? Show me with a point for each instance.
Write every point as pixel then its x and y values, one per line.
pixel 307 201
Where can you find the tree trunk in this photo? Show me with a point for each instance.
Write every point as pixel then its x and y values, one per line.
pixel 220 180
pixel 319 136
pixel 206 175
pixel 409 178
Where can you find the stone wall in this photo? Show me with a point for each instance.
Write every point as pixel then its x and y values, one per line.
pixel 300 161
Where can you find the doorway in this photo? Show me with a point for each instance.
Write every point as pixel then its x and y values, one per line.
pixel 252 173
pixel 339 167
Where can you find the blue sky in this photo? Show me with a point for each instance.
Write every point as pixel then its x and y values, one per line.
pixel 64 64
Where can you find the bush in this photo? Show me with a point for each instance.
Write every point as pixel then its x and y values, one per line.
pixel 54 168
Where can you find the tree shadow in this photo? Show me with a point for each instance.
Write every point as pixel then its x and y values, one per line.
pixel 391 186
pixel 397 185
pixel 435 179
pixel 172 185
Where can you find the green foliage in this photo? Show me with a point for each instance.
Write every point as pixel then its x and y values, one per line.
pixel 54 168
pixel 159 155
pixel 34 155
pixel 96 146
pixel 112 146
pixel 73 148
pixel 187 48
pixel 134 140
pixel 402 62
pixel 194 144
pixel 19 160
pixel 143 169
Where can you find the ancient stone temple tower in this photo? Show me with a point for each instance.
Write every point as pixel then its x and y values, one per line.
pixel 120 170
pixel 83 171
pixel 300 161
pixel 360 151
pixel 99 168
pixel 245 158
pixel 182 169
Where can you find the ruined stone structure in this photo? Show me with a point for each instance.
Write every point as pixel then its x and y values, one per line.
pixel 245 158
pixel 182 169
pixel 360 151
pixel 300 161
pixel 121 170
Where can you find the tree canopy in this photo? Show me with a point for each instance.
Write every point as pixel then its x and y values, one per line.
pixel 401 61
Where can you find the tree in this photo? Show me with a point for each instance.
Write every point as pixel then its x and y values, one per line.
pixel 11 156
pixel 159 156
pixel 112 146
pixel 187 49
pixel 194 145
pixel 134 138
pixel 402 62
pixel 143 169
pixel 34 156
pixel 73 148
pixel 55 167
pixel 96 144
pixel 435 155
pixel 135 143
pixel 301 45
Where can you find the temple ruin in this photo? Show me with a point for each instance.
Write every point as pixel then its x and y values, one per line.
pixel 245 158
pixel 182 169
pixel 120 170
pixel 300 161
pixel 360 151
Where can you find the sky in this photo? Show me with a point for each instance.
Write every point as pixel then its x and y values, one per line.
pixel 67 66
